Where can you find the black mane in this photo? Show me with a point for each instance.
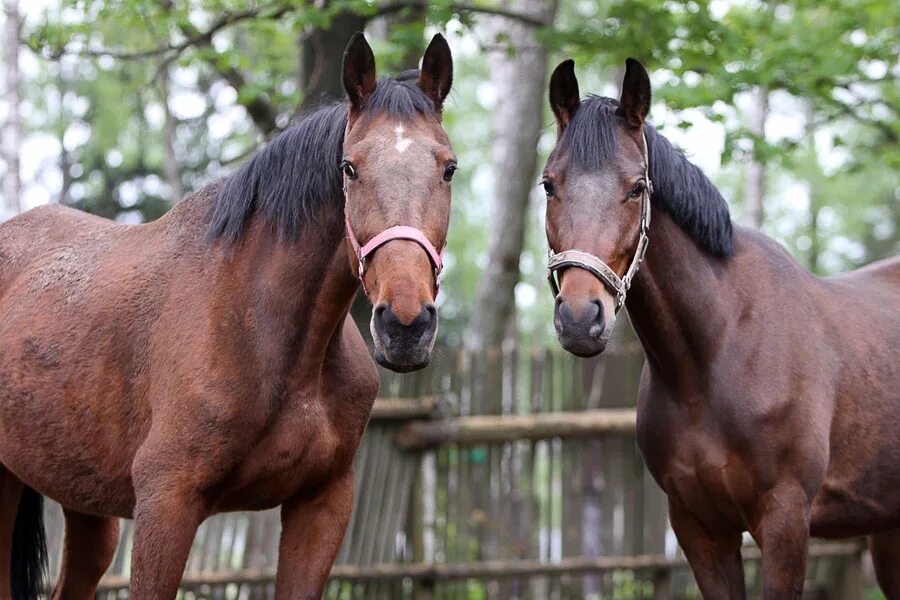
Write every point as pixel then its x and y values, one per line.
pixel 295 177
pixel 679 187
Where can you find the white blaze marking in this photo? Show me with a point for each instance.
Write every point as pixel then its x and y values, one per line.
pixel 402 142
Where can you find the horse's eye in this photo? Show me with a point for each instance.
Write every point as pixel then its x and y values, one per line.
pixel 638 190
pixel 348 169
pixel 549 188
pixel 449 170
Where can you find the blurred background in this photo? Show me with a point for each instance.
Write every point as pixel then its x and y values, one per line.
pixel 123 107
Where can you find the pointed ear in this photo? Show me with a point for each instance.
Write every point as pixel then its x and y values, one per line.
pixel 635 101
pixel 564 96
pixel 359 70
pixel 436 75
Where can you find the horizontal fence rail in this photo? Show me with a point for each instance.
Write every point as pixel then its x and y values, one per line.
pixel 497 429
pixel 495 569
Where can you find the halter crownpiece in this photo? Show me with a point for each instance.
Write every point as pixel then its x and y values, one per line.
pixel 587 261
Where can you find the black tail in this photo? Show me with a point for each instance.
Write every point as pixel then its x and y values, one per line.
pixel 29 548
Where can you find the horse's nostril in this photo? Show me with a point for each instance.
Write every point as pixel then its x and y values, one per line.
pixel 432 311
pixel 425 316
pixel 379 313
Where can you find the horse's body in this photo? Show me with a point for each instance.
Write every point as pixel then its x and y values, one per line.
pixel 770 398
pixel 205 362
pixel 87 389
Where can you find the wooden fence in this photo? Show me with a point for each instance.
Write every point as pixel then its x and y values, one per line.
pixel 511 475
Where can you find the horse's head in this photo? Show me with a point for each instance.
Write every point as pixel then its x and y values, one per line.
pixel 598 197
pixel 397 167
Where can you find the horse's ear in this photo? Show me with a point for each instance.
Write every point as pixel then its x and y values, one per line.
pixel 635 101
pixel 436 75
pixel 359 70
pixel 564 96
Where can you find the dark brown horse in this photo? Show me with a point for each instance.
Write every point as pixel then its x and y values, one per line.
pixel 205 362
pixel 770 398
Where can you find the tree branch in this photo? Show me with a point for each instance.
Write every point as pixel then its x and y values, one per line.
pixel 196 38
pixel 259 109
pixel 884 128
pixel 463 7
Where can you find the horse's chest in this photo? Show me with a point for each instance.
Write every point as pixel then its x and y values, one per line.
pixel 305 447
pixel 693 462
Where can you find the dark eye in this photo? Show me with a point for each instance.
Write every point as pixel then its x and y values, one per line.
pixel 549 188
pixel 348 169
pixel 638 190
pixel 449 170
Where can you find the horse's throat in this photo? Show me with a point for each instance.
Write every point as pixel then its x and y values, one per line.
pixel 676 303
pixel 296 297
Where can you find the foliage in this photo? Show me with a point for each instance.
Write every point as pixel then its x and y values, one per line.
pixel 105 71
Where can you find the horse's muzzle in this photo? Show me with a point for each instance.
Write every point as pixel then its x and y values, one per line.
pixel 581 329
pixel 404 347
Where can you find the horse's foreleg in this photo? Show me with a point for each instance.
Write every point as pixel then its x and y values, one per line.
pixel 885 548
pixel 715 558
pixel 90 544
pixel 169 506
pixel 166 518
pixel 313 526
pixel 783 537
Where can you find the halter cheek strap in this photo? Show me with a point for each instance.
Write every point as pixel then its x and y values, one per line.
pixel 398 232
pixel 587 261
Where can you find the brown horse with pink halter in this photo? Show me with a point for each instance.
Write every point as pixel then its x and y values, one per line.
pixel 205 362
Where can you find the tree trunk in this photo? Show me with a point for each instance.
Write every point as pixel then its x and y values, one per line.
pixel 755 185
pixel 815 191
pixel 321 82
pixel 12 131
pixel 520 81
pixel 65 161
pixel 321 55
pixel 170 166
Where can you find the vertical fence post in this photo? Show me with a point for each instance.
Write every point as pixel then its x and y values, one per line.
pixel 424 515
pixel 661 587
pixel 851 582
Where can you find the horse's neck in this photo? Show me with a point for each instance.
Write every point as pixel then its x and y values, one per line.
pixel 677 304
pixel 297 295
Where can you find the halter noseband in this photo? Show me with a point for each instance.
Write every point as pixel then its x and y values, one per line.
pixel 397 232
pixel 587 261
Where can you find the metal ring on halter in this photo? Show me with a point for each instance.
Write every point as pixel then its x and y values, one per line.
pixel 587 261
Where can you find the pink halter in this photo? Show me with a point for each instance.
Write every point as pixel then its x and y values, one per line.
pixel 397 232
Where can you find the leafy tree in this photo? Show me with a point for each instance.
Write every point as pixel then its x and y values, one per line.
pixel 144 99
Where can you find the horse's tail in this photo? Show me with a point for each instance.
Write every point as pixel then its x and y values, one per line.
pixel 29 548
